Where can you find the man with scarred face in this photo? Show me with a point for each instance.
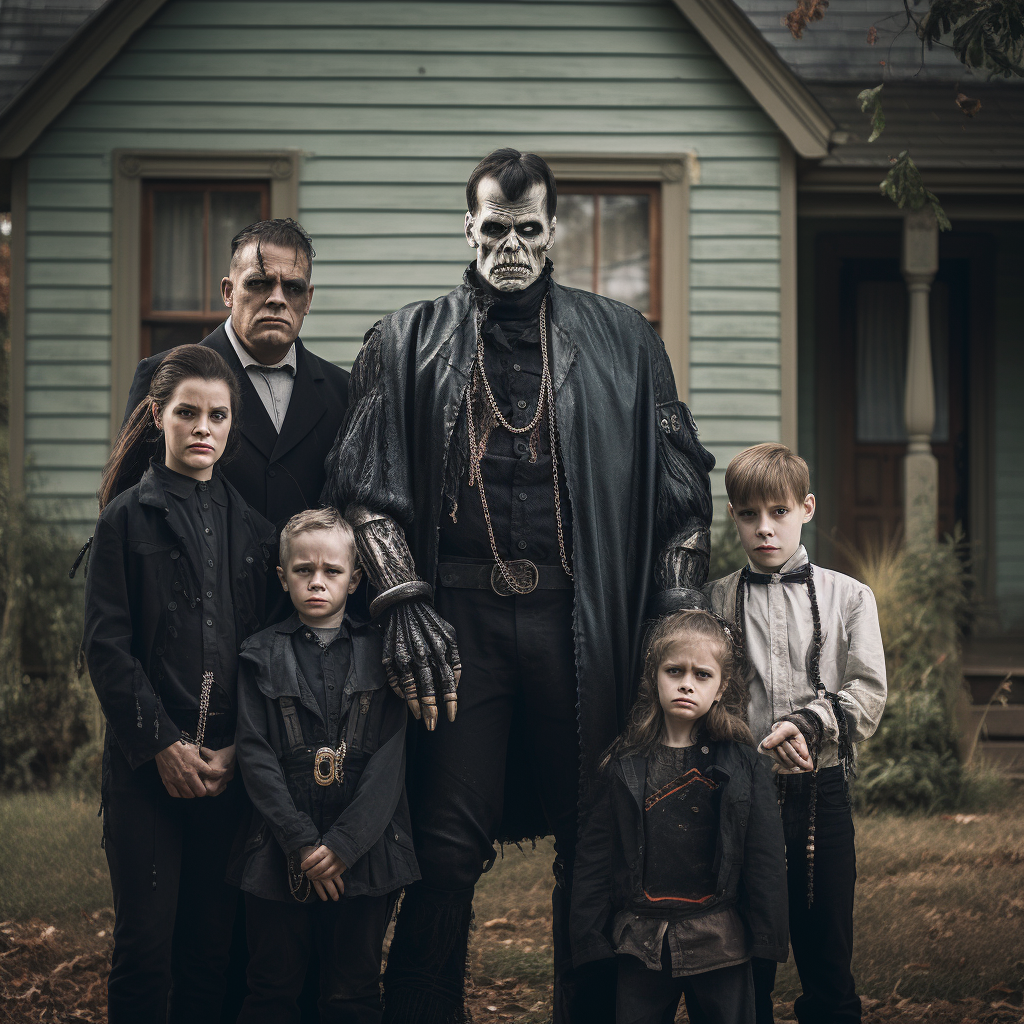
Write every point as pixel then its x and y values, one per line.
pixel 527 492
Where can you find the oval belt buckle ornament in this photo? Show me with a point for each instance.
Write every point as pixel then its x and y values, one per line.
pixel 323 766
pixel 522 570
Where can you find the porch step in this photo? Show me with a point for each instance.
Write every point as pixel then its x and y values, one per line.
pixel 1007 756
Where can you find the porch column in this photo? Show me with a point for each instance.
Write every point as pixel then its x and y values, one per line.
pixel 921 468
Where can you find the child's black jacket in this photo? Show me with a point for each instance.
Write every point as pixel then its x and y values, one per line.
pixel 142 598
pixel 364 819
pixel 750 861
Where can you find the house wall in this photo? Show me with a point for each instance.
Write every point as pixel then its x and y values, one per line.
pixel 391 105
pixel 1008 432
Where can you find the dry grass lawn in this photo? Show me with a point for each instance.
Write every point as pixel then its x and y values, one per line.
pixel 939 928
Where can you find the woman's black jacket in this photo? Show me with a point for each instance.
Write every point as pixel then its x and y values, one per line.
pixel 364 819
pixel 750 861
pixel 140 588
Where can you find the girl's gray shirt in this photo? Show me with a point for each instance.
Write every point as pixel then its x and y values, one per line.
pixel 778 633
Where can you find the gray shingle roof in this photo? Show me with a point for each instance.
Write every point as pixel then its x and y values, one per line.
pixel 836 49
pixel 31 31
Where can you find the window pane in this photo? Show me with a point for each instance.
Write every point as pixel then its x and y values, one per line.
pixel 229 213
pixel 626 250
pixel 165 336
pixel 573 253
pixel 177 250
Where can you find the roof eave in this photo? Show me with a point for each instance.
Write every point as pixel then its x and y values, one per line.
pixel 753 60
pixel 71 68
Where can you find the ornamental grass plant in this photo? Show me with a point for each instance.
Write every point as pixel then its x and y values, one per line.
pixel 912 761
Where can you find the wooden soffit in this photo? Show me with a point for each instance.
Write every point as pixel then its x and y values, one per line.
pixel 96 43
pixel 746 53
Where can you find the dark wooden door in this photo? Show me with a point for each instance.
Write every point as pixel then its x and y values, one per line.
pixel 861 381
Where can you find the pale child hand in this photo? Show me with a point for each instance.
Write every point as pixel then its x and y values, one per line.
pixel 223 763
pixel 322 864
pixel 787 745
pixel 329 888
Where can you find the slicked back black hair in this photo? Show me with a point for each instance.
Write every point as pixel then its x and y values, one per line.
pixel 287 233
pixel 515 172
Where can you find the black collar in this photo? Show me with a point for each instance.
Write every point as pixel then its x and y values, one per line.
pixel 801 575
pixel 159 481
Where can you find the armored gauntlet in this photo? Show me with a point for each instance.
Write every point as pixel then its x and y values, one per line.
pixel 420 651
pixel 681 570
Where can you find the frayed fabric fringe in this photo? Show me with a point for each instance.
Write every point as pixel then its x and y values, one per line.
pixel 425 980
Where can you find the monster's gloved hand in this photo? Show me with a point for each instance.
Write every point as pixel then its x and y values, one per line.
pixel 420 653
pixel 681 570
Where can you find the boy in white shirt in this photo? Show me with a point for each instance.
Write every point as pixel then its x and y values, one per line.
pixel 817 687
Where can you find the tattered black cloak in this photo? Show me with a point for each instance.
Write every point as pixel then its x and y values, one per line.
pixel 635 471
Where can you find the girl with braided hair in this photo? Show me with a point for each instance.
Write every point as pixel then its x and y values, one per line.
pixel 817 687
pixel 680 871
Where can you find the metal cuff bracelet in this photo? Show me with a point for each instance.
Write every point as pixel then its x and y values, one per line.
pixel 665 602
pixel 396 595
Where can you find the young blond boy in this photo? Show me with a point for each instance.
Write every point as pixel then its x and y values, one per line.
pixel 321 745
pixel 817 688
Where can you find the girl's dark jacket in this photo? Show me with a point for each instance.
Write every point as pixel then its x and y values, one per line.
pixel 750 861
pixel 365 819
pixel 636 473
pixel 139 571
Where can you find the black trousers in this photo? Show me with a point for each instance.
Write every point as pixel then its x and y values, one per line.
pixel 349 936
pixel 518 666
pixel 822 934
pixel 725 996
pixel 173 911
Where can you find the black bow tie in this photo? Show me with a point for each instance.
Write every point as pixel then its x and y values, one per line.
pixel 801 575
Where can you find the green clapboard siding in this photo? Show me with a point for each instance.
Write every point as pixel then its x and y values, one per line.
pixel 391 104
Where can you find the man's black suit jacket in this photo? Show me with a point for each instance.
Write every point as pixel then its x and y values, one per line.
pixel 277 474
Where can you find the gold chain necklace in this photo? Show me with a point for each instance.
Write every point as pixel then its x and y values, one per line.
pixel 545 397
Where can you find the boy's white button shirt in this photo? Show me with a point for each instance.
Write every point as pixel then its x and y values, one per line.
pixel 778 631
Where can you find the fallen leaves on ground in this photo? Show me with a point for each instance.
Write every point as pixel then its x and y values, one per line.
pixel 47 976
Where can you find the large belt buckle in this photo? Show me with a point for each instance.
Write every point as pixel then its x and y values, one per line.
pixel 327 765
pixel 522 570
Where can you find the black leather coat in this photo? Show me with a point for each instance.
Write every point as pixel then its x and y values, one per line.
pixel 750 861
pixel 635 471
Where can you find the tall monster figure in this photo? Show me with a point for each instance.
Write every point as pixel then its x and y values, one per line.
pixel 526 490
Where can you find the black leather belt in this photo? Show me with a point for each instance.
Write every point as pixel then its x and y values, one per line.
pixel 488 576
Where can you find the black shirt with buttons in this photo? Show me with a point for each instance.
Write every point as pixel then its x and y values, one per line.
pixel 204 621
pixel 680 825
pixel 324 658
pixel 520 493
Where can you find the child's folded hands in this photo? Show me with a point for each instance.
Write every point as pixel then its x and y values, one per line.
pixel 789 748
pixel 324 868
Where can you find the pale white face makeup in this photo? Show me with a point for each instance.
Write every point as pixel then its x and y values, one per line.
pixel 510 238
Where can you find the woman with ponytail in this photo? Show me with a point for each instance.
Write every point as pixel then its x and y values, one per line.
pixel 680 870
pixel 175 582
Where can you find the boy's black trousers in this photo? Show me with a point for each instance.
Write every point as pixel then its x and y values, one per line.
pixel 822 934
pixel 173 911
pixel 349 936
pixel 518 671
pixel 724 996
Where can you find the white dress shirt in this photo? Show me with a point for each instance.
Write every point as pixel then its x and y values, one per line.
pixel 778 632
pixel 272 383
